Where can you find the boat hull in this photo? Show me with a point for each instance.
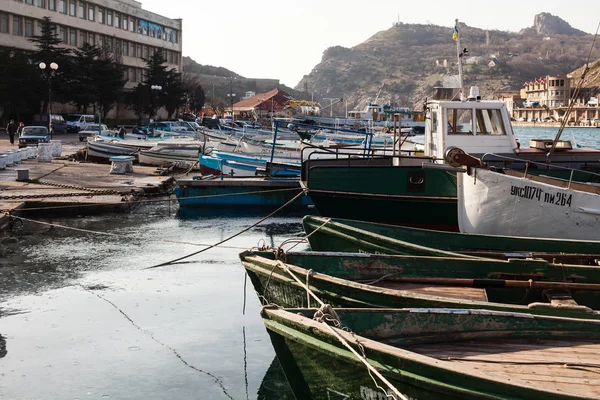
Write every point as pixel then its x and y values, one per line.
pixel 358 236
pixel 399 195
pixel 494 203
pixel 317 364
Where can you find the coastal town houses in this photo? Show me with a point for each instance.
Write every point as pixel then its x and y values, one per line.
pixel 120 25
pixel 546 99
pixel 261 106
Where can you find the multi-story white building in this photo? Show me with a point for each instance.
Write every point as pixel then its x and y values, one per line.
pixel 121 25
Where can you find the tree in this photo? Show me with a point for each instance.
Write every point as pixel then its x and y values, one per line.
pixel 195 95
pixel 21 90
pixel 144 99
pixel 49 51
pixel 85 85
pixel 110 80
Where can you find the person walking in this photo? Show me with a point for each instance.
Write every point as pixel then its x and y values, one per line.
pixel 122 132
pixel 11 128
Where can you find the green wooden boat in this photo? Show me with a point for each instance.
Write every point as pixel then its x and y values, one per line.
pixel 361 280
pixel 329 234
pixel 437 354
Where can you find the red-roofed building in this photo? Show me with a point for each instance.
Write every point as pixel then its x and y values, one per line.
pixel 261 105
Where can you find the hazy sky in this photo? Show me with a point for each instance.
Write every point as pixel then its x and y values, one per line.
pixel 285 39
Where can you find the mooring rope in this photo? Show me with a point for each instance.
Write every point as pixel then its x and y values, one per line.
pixel 327 313
pixel 228 238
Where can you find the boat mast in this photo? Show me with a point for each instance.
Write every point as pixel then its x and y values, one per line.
pixel 572 100
pixel 456 37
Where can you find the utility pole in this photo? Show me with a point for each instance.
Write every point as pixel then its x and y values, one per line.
pixel 332 101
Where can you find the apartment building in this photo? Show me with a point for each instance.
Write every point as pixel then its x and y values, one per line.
pixel 121 25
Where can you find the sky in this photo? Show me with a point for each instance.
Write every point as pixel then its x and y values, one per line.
pixel 285 39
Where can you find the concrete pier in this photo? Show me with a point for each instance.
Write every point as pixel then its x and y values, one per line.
pixel 62 186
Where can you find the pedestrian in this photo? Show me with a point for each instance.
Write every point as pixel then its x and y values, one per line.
pixel 122 132
pixel 11 128
pixel 20 129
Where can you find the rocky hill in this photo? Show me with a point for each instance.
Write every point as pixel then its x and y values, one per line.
pixel 217 83
pixel 402 64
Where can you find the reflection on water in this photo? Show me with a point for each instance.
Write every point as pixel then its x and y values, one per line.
pixel 274 385
pixel 2 347
pixel 80 307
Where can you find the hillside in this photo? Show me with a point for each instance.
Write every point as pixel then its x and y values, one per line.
pixel 217 83
pixel 405 62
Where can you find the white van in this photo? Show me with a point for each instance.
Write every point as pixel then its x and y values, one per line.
pixel 77 122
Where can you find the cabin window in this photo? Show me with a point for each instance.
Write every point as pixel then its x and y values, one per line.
pixel 434 121
pixel 459 121
pixel 489 122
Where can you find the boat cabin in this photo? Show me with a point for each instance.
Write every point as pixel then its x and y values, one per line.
pixel 477 127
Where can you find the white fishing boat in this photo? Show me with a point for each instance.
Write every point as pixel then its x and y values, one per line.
pixel 169 153
pixel 517 203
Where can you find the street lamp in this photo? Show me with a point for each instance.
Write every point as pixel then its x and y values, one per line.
pixel 231 97
pixel 156 89
pixel 260 107
pixel 49 74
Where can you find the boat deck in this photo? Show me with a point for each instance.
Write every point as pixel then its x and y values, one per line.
pixel 568 367
pixel 241 182
pixel 465 293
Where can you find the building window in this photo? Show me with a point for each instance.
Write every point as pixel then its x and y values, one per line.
pixel 125 48
pixel 146 55
pixel 138 52
pixel 92 38
pixel 117 20
pixel 28 27
pixel 124 22
pixel 81 10
pixel 82 38
pixel 101 41
pixel 17 25
pixel 109 18
pixel 169 57
pixel 73 37
pixel 126 74
pixel 3 22
pixel 132 75
pixel 52 5
pixel 91 12
pixel 63 34
pixel 30 2
pixel 72 8
pixel 176 36
pixel 40 3
pixel 101 15
pixel 108 42
pixel 118 46
pixel 131 24
pixel 62 6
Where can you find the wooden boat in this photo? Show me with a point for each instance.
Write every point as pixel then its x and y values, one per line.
pixel 514 203
pixel 436 354
pixel 358 280
pixel 329 234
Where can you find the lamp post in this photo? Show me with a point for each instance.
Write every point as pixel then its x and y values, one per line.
pixel 231 97
pixel 260 106
pixel 49 74
pixel 156 89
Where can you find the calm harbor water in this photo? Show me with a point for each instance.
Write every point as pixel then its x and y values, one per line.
pixel 80 317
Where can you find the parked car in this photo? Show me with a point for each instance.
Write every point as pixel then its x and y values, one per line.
pixel 77 122
pixel 32 135
pixel 211 123
pixel 92 130
pixel 58 122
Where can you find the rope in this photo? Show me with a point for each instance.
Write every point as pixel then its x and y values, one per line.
pixel 326 313
pixel 116 234
pixel 228 238
pixel 300 240
pixel 308 274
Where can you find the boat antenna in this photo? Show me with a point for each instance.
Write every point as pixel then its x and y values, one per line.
pixel 459 55
pixel 565 119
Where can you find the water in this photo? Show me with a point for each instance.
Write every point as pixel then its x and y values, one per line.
pixel 584 137
pixel 81 318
